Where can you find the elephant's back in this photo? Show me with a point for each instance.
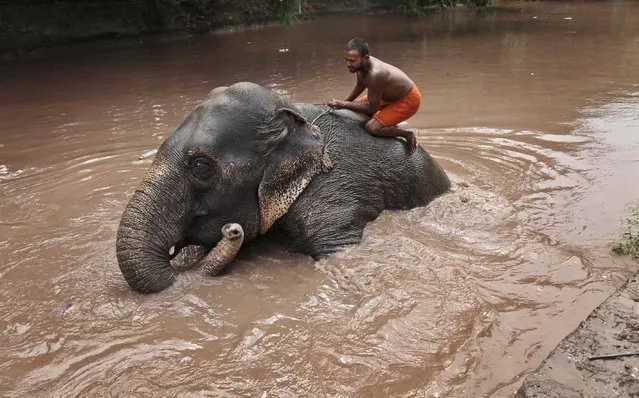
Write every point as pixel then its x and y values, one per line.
pixel 375 163
pixel 369 174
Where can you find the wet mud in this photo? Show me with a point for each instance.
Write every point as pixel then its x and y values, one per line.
pixel 572 369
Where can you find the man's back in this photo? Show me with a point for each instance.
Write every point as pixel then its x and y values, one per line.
pixel 392 81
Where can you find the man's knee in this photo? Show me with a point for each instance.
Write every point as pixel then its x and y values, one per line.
pixel 373 126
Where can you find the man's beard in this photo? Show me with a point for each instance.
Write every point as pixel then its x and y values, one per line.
pixel 353 69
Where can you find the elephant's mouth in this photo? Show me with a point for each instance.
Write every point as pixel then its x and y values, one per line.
pixel 176 249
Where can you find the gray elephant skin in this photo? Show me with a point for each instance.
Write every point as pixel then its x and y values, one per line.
pixel 249 156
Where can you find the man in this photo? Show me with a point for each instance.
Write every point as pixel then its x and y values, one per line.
pixel 392 96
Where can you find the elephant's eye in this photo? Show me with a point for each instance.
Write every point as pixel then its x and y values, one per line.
pixel 202 167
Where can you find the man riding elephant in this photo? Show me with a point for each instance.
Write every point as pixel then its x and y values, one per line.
pixel 392 97
pixel 247 162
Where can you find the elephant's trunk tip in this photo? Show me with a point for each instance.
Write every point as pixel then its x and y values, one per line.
pixel 233 231
pixel 226 249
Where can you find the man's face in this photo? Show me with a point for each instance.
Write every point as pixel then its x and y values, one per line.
pixel 354 61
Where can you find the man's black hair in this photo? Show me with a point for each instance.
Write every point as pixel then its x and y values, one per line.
pixel 358 44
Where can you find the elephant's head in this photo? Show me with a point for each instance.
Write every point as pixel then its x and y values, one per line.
pixel 242 156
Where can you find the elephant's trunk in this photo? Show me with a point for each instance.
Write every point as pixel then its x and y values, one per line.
pixel 149 228
pixel 226 249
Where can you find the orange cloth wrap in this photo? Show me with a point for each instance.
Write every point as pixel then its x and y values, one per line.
pixel 392 113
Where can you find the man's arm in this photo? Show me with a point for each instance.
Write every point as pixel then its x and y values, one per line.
pixel 370 107
pixel 357 90
pixel 375 90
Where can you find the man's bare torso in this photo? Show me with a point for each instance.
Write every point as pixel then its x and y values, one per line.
pixel 393 83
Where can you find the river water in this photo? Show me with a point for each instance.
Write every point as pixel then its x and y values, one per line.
pixel 532 109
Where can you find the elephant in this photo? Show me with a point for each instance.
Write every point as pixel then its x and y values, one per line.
pixel 251 161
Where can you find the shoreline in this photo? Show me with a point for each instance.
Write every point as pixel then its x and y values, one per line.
pixel 28 30
pixel 570 371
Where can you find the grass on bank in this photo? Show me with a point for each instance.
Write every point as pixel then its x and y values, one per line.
pixel 418 7
pixel 628 244
pixel 289 10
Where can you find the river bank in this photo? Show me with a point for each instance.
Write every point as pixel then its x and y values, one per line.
pixel 571 370
pixel 27 26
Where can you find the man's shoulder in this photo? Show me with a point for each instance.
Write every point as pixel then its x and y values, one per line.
pixel 380 73
pixel 381 64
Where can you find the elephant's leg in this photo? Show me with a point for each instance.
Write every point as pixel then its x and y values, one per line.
pixel 226 249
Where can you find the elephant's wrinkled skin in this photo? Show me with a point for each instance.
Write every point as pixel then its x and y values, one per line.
pixel 248 156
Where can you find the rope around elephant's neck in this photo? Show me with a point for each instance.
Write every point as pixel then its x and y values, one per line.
pixel 329 110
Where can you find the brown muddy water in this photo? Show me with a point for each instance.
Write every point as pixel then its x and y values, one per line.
pixel 533 110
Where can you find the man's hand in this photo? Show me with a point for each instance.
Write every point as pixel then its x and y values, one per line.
pixel 337 104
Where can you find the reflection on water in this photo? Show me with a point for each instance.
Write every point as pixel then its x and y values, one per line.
pixel 532 110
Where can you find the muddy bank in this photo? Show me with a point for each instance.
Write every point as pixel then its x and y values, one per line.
pixel 26 25
pixel 612 328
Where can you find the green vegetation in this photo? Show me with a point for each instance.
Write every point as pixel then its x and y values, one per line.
pixel 65 21
pixel 417 7
pixel 287 10
pixel 629 243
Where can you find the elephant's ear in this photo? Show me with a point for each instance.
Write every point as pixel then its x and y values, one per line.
pixel 300 156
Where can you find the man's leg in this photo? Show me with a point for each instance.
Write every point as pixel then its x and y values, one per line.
pixel 375 128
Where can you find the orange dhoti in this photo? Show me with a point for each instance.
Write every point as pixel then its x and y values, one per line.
pixel 392 113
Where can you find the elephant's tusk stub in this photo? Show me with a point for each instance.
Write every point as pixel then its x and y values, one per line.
pixel 226 249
